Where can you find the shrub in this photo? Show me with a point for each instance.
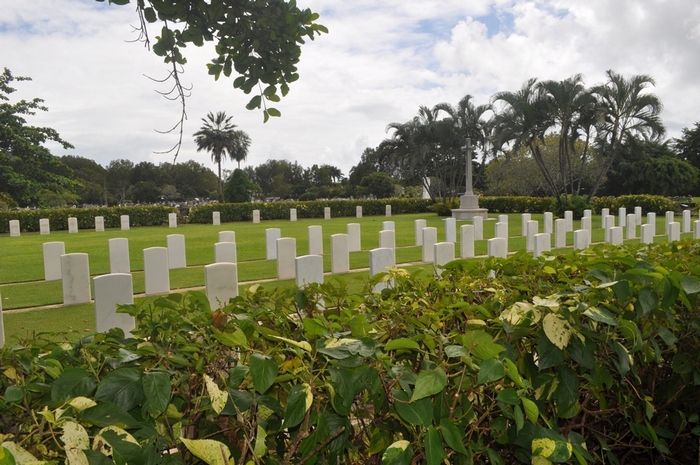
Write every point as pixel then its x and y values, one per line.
pixel 589 358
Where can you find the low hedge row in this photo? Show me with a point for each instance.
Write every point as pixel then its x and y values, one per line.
pixel 58 218
pixel 311 209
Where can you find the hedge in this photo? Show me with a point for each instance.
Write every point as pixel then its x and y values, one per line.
pixel 58 218
pixel 311 209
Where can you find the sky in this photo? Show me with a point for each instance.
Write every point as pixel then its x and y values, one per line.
pixel 380 61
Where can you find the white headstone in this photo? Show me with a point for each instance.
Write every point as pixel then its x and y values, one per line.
pixel 543 243
pixel 387 239
pixel 379 260
pixel 44 227
pixel 256 216
pixel 478 223
pixel 616 235
pixel 72 225
pixel 686 221
pixel 696 229
pixel 429 241
pixel 622 217
pixel 418 226
pixel 669 220
pixel 119 261
pixel 315 240
pixel 631 226
pixel 548 222
pixel 225 252
pixel 569 220
pixel 271 236
pixel 388 210
pixel 75 274
pixel 531 228
pixel 14 228
pixel 581 239
pixel 501 230
pixel 286 257
pixel 559 233
pixel 358 211
pixel 99 224
pixel 172 220
pixel 292 214
pixel 638 215
pixel 52 260
pixel 340 253
pixel 466 248
pixel 156 272
pixel 498 247
pixel 112 290
pixel 651 220
pixel 309 269
pixel 354 237
pixel 604 212
pixel 227 236
pixel 450 229
pixel 388 225
pixel 216 218
pixel 177 257
pixel 524 218
pixel 674 231
pixel 326 213
pixel 220 283
pixel 444 253
pixel 124 222
pixel 647 232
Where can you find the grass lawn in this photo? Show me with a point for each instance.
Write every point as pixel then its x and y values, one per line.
pixel 22 284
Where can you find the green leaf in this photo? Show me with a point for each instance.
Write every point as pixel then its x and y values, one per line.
pixel 299 401
pixel 434 451
pixel 418 413
pixel 108 414
pixel 401 343
pixel 13 394
pixel 428 383
pixel 263 370
pixel 234 339
pixel 210 451
pixel 122 387
pixel 601 315
pixel 481 344
pixel 489 371
pixel 73 382
pixel 452 436
pixel 399 453
pixel 690 284
pixel 157 389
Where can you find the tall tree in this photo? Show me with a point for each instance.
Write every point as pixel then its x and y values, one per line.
pixel 219 136
pixel 626 111
pixel 27 168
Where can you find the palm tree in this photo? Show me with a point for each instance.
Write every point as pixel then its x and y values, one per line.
pixel 218 136
pixel 625 111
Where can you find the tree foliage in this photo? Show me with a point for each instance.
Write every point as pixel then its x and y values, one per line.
pixel 28 171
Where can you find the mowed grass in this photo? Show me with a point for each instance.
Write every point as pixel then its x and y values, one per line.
pixel 22 284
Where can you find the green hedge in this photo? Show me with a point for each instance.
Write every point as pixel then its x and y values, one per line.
pixel 311 209
pixel 649 203
pixel 58 218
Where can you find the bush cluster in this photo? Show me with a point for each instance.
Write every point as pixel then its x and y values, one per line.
pixel 584 358
pixel 58 217
pixel 306 209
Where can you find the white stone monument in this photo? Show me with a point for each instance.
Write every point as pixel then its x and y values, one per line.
pixel 112 290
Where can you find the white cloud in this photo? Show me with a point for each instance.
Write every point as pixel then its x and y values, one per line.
pixel 378 64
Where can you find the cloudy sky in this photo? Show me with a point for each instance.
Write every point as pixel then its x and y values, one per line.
pixel 381 60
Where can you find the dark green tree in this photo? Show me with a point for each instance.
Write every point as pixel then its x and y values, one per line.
pixel 27 168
